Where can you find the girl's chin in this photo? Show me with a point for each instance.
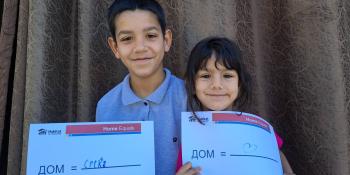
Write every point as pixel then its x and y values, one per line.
pixel 219 109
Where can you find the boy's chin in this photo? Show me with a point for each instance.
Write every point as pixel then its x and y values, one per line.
pixel 146 73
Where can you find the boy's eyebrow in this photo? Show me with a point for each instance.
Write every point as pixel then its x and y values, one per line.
pixel 129 32
pixel 124 32
pixel 151 28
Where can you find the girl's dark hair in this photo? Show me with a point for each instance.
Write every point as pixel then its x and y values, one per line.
pixel 228 54
pixel 119 6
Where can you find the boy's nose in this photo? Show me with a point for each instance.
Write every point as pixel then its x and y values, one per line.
pixel 140 46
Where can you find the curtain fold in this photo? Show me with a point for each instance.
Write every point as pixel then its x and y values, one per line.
pixel 298 53
pixel 9 11
pixel 16 137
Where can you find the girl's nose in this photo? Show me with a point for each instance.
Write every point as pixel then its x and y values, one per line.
pixel 216 83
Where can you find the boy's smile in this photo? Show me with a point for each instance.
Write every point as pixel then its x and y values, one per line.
pixel 216 86
pixel 140 44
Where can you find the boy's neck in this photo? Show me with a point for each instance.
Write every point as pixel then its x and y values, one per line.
pixel 143 87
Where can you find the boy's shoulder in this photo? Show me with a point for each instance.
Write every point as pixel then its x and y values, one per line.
pixel 177 92
pixel 109 103
pixel 176 80
pixel 111 94
pixel 176 84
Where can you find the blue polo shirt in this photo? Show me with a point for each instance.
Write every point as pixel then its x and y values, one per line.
pixel 163 106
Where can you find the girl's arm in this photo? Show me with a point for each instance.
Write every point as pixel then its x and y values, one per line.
pixel 287 170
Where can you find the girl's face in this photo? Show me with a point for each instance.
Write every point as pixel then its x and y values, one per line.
pixel 216 87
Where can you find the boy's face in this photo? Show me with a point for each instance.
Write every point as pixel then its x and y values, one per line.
pixel 140 43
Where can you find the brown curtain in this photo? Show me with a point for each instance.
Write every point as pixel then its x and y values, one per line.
pixel 55 64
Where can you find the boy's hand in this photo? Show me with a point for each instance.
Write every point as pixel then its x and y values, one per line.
pixel 188 170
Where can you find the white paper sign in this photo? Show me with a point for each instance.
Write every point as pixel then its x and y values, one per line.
pixel 91 148
pixel 230 143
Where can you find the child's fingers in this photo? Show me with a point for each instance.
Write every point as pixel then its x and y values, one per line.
pixel 194 171
pixel 184 168
pixel 187 169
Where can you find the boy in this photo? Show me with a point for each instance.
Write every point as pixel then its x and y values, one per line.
pixel 149 92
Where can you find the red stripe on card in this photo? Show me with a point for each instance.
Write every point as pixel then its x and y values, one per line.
pixel 226 117
pixel 103 128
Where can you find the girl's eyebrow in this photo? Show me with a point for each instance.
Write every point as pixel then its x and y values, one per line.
pixel 203 69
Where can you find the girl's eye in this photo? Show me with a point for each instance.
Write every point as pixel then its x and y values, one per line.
pixel 205 76
pixel 228 76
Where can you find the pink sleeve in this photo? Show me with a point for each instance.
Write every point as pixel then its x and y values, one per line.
pixel 179 160
pixel 279 140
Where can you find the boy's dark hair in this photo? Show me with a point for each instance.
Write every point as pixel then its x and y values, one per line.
pixel 120 6
pixel 228 54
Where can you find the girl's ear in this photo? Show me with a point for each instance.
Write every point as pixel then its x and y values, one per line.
pixel 168 38
pixel 114 47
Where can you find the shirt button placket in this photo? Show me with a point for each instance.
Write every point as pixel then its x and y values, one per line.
pixel 147 106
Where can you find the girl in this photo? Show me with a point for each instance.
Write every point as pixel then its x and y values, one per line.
pixel 216 80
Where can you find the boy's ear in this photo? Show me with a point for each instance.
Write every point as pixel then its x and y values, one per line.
pixel 168 38
pixel 113 45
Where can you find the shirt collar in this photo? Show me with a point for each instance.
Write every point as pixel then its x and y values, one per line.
pixel 129 97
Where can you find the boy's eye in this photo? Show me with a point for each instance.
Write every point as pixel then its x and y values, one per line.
pixel 126 38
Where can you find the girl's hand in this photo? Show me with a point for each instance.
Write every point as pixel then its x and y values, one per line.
pixel 285 165
pixel 188 170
